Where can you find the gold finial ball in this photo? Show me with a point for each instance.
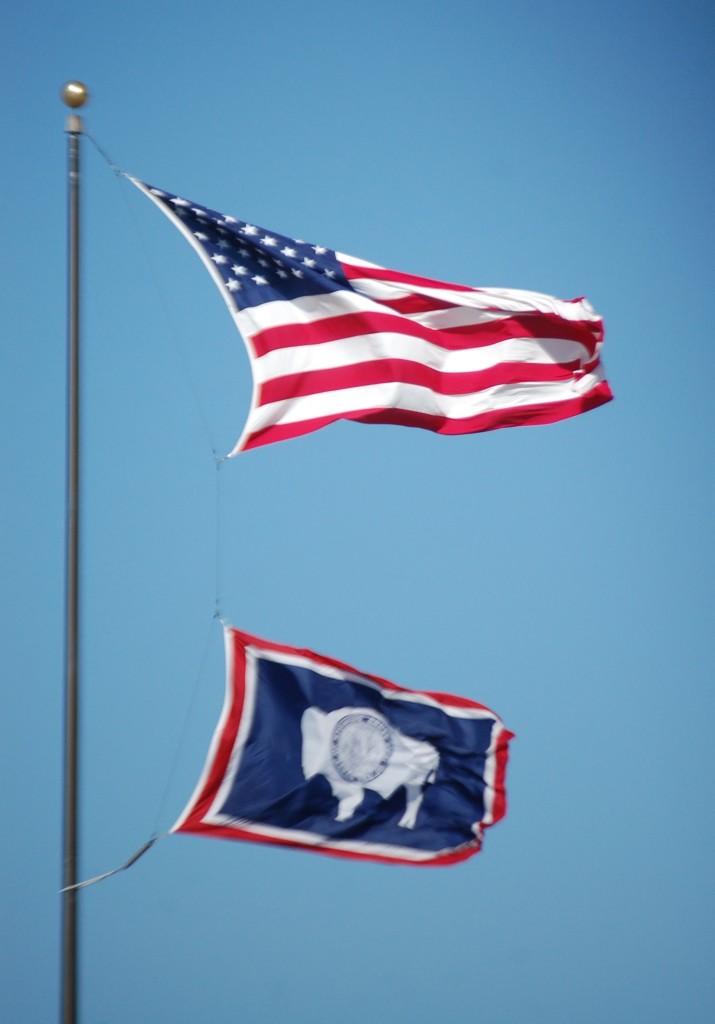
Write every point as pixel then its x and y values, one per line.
pixel 75 94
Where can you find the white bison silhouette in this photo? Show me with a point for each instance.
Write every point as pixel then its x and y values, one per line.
pixel 357 749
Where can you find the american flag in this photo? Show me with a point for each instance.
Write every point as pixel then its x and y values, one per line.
pixel 333 337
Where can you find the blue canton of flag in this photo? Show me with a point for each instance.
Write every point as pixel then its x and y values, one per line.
pixel 253 265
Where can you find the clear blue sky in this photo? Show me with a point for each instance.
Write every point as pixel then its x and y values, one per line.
pixel 563 574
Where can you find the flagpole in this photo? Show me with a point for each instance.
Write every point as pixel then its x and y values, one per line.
pixel 74 95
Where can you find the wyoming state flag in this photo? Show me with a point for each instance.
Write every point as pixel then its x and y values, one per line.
pixel 312 753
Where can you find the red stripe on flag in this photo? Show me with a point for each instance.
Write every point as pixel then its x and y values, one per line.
pixel 404 371
pixel 350 325
pixel 502 757
pixel 195 826
pixel 353 272
pixel 518 416
pixel 285 431
pixel 219 765
pixel 413 303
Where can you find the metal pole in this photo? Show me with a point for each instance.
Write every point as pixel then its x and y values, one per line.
pixel 74 95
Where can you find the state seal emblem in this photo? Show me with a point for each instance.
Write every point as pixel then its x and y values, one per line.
pixel 360 747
